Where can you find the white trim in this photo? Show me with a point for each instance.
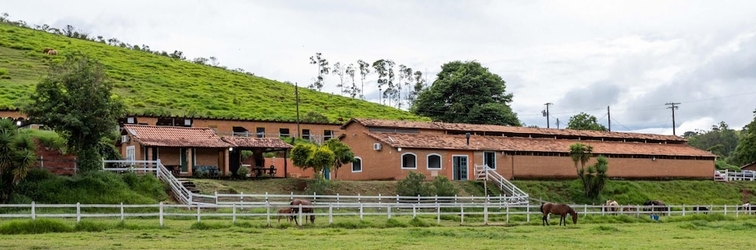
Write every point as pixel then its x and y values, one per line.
pixel 402 160
pixel 130 153
pixel 440 161
pixel 361 165
pixel 494 159
pixel 467 159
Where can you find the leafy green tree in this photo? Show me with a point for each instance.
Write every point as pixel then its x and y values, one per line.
pixel 17 155
pixel 585 121
pixel 594 177
pixel 341 152
pixel 466 92
pixel 307 156
pixel 380 67
pixel 720 140
pixel 745 152
pixel 76 100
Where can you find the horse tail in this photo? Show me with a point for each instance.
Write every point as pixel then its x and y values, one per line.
pixel 542 207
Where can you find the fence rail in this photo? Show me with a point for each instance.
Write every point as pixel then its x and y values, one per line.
pixel 511 213
pixel 727 175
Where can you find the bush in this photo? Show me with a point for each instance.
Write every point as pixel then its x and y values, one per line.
pixel 242 172
pixel 444 187
pixel 319 186
pixel 3 71
pixel 413 185
pixel 35 227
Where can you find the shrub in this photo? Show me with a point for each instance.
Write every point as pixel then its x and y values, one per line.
pixel 3 71
pixel 242 172
pixel 34 227
pixel 319 186
pixel 444 187
pixel 413 185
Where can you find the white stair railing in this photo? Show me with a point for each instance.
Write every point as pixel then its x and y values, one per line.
pixel 485 173
pixel 182 195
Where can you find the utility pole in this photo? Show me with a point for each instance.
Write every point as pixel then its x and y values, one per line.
pixel 557 123
pixel 296 93
pixel 673 106
pixel 546 113
pixel 608 118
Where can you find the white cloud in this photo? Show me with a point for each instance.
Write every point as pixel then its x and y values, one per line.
pixel 652 52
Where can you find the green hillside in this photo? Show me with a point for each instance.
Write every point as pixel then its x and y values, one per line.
pixel 153 84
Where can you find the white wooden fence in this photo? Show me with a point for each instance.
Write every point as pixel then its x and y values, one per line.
pixel 727 175
pixel 268 211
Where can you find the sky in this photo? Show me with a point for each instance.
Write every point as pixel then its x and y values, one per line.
pixel 582 56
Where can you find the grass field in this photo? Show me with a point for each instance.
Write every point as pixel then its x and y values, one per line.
pixel 154 84
pixel 694 233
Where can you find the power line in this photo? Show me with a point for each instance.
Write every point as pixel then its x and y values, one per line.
pixel 546 113
pixel 615 121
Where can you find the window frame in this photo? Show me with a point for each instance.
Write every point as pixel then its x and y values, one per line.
pixel 327 136
pixel 281 134
pixel 259 134
pixel 402 160
pixel 306 134
pixel 440 161
pixel 494 159
pixel 361 165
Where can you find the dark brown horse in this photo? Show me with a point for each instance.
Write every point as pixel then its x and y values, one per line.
pixel 657 205
pixel 295 209
pixel 285 212
pixel 561 209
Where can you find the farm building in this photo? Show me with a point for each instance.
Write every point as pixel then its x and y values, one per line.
pixel 181 149
pixel 749 166
pixel 388 149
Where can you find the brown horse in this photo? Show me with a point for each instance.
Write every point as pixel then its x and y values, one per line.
pixel 657 205
pixel 52 52
pixel 285 212
pixel 295 209
pixel 561 209
pixel 46 50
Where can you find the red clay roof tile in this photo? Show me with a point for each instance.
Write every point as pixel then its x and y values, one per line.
pixel 501 143
pixel 510 129
pixel 164 136
pixel 252 142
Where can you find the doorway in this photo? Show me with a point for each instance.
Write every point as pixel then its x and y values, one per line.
pixel 459 167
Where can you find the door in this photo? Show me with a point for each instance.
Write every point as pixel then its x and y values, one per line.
pixel 489 158
pixel 327 173
pixel 459 167
pixel 184 164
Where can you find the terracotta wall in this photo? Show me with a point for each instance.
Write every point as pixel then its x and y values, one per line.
pixel 12 114
pixel 55 162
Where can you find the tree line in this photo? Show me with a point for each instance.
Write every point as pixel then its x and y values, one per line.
pixel 398 85
pixel 72 32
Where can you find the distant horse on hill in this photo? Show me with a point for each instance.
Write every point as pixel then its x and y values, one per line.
pixel 561 209
pixel 705 210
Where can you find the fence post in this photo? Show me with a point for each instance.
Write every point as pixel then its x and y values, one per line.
pixel 436 200
pixel 397 199
pixel 527 212
pixel 233 217
pixel 438 213
pixel 461 214
pixel 585 209
pixel 683 209
pixel 379 202
pixel 42 163
pixel 359 199
pixel 300 214
pixel 455 199
pixel 330 213
pixel 291 196
pixel 485 213
pixel 123 215
pixel 267 211
pixel 414 211
pixel 34 210
pixel 507 204
pixel 418 199
pixel 360 211
pixel 78 212
pixel 388 211
pixel 337 201
pixel 161 214
pixel 637 211
pixel 198 213
pixel 216 197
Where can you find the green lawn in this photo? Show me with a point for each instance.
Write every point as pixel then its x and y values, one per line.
pixel 185 234
pixel 154 84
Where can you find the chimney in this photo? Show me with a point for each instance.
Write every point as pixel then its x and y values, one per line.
pixel 467 135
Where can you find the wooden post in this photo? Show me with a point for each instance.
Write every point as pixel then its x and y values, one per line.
pixel 414 211
pixel 233 217
pixel 122 214
pixel 360 212
pixel 683 210
pixel 161 214
pixel 485 213
pixel 300 215
pixel 267 211
pixel 461 214
pixel 34 210
pixel 507 204
pixel 198 213
pixel 78 212
pixel 438 213
pixel 388 211
pixel 330 213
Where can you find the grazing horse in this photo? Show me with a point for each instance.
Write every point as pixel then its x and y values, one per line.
pixel 285 212
pixel 746 206
pixel 611 205
pixel 295 209
pixel 561 209
pixel 705 210
pixel 658 205
pixel 46 50
pixel 52 52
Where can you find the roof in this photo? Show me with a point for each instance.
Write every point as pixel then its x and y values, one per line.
pixel 748 165
pixel 501 143
pixel 218 118
pixel 164 136
pixel 510 129
pixel 252 142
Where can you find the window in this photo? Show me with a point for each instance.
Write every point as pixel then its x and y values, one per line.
pixel 187 122
pixel 131 120
pixel 306 134
pixel 130 153
pixel 489 158
pixel 260 132
pixel 327 135
pixel 434 161
pixel 283 132
pixel 409 160
pixel 240 131
pixel 357 165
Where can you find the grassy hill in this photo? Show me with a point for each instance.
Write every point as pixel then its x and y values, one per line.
pixel 153 84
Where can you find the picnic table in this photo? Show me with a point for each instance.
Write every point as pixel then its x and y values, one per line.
pixel 260 171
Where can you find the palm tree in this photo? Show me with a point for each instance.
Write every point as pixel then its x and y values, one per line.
pixel 581 153
pixel 17 155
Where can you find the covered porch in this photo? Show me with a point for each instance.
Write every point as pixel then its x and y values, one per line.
pixel 258 147
pixel 181 150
